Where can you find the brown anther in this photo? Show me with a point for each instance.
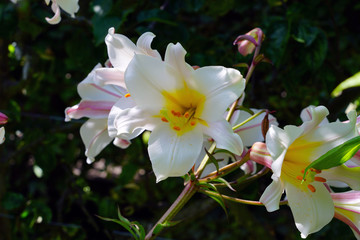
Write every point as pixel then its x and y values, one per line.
pixel 317 171
pixel 319 179
pixel 164 119
pixel 311 188
pixel 176 128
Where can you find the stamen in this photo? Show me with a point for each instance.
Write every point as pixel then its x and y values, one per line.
pixel 319 179
pixel 300 178
pixel 176 128
pixel 311 188
pixel 164 119
pixel 187 115
pixel 127 95
pixel 192 123
pixel 317 171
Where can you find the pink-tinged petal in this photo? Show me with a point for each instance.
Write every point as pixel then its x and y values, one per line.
pixel 172 155
pixel 121 49
pixel 95 137
pixel 272 194
pixel 2 135
pixel 90 109
pixel 175 56
pixel 251 132
pixel 3 118
pixel 221 86
pixel 127 121
pixel 105 76
pixel 249 167
pixel 260 154
pixel 342 173
pixel 342 217
pixel 347 198
pixel 121 143
pixel 147 79
pixel 224 137
pixel 311 210
pixel 69 6
pixel 315 115
pixel 56 18
pixel 144 44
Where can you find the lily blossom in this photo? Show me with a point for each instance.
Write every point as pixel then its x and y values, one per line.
pixel 179 105
pixel 69 6
pixel 290 151
pixel 96 104
pixel 347 209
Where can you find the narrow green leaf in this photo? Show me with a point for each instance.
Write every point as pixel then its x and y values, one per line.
pixel 213 160
pixel 353 81
pixel 123 224
pixel 336 156
pixel 222 180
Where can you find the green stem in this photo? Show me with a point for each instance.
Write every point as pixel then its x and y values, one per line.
pixel 248 120
pixel 237 200
pixel 205 160
pixel 190 189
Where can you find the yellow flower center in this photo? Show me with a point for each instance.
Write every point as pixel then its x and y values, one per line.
pixel 182 110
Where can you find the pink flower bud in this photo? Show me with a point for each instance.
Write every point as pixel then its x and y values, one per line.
pixel 3 118
pixel 247 43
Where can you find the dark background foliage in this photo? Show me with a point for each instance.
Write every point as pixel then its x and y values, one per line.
pixel 48 191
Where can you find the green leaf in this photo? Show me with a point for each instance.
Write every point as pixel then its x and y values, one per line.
pixel 353 81
pixel 336 156
pixel 160 226
pixel 213 160
pixel 222 180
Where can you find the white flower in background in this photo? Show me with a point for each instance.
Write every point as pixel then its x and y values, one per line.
pixel 347 209
pixel 69 6
pixel 179 105
pixel 290 151
pixel 103 88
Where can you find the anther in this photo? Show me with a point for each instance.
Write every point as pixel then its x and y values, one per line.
pixel 164 119
pixel 300 178
pixel 176 128
pixel 187 115
pixel 192 123
pixel 127 95
pixel 319 179
pixel 311 188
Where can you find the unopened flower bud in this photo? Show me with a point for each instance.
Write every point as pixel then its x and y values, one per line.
pixel 247 43
pixel 3 118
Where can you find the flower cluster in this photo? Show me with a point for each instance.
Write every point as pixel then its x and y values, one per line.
pixel 190 110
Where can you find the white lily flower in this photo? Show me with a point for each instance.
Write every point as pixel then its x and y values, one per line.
pixel 3 120
pixel 347 209
pixel 69 6
pixel 179 105
pixel 96 104
pixel 291 150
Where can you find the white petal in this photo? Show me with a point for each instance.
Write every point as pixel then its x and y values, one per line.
pixel 172 155
pixel 104 76
pixel 2 135
pixel 144 44
pixel 221 86
pixel 147 78
pixel 311 210
pixel 95 136
pixel 312 117
pixel 224 137
pixel 272 194
pixel 350 176
pixel 127 121
pixel 121 49
pixel 175 56
pixel 69 6
pixel 251 132
pixel 56 18
pixel 121 143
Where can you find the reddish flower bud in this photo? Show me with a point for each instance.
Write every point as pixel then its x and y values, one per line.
pixel 247 43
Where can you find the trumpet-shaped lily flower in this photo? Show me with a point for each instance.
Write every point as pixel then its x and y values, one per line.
pixel 103 88
pixel 179 105
pixel 347 209
pixel 69 6
pixel 290 151
pixel 96 104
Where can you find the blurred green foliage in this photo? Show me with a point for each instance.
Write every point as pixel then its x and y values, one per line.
pixel 48 191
